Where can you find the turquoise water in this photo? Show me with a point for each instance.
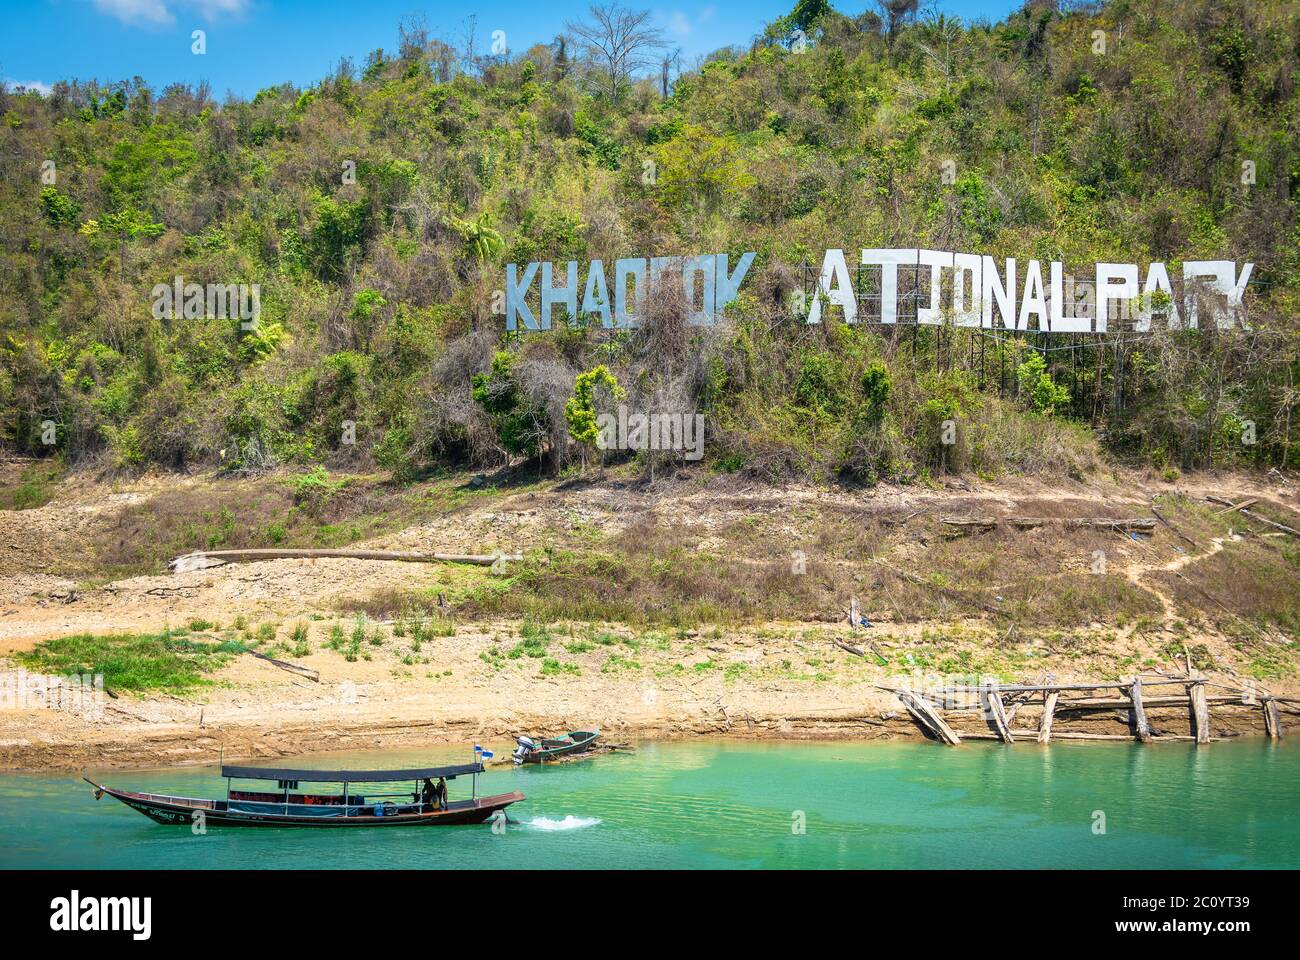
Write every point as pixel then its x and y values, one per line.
pixel 735 804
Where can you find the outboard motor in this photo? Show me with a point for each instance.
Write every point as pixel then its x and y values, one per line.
pixel 526 746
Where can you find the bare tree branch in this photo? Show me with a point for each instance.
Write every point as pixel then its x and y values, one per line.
pixel 620 42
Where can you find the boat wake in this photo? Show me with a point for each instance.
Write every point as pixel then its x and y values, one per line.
pixel 568 823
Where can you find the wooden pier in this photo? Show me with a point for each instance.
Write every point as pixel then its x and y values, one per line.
pixel 933 709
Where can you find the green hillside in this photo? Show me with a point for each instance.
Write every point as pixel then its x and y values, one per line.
pixel 377 290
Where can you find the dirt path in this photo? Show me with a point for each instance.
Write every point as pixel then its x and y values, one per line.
pixel 1136 572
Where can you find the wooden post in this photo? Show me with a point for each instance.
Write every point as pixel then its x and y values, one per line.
pixel 1045 723
pixel 1200 711
pixel 1272 720
pixel 1139 715
pixel 994 709
pixel 928 717
pixel 855 614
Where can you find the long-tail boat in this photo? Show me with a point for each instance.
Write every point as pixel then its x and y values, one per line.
pixel 552 748
pixel 288 806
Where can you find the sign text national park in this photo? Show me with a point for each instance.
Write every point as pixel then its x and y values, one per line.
pixel 890 286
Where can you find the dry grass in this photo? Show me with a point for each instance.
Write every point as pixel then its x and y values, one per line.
pixel 265 512
pixel 743 572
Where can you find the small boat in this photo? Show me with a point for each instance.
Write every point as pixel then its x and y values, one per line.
pixel 287 806
pixel 547 749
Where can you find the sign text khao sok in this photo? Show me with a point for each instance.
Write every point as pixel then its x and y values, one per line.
pixel 935 287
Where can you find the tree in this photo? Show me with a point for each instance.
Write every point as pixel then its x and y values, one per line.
pixel 896 14
pixel 580 409
pixel 808 12
pixel 875 392
pixel 482 241
pixel 520 425
pixel 1045 395
pixel 123 226
pixel 620 42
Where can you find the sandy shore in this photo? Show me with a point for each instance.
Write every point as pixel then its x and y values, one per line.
pixel 257 710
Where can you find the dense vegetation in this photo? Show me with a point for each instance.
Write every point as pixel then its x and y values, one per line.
pixel 377 288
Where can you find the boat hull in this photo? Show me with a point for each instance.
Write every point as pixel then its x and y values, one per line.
pixel 182 811
pixel 583 740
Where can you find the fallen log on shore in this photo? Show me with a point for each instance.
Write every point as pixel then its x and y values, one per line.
pixel 307 672
pixel 203 559
pixel 1137 524
pixel 1254 516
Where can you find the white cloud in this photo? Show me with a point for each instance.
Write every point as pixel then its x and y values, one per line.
pixel 44 89
pixel 211 9
pixel 707 14
pixel 163 12
pixel 136 11
pixel 678 23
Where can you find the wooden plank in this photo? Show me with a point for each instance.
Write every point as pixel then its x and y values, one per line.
pixel 996 711
pixel 1200 712
pixel 1272 721
pixel 1139 715
pixel 926 715
pixel 1045 722
pixel 1066 705
pixel 1233 508
pixel 1062 687
pixel 1111 703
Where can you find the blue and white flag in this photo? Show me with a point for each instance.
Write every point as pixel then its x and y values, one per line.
pixel 486 754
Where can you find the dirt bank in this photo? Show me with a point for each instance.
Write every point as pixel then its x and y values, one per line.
pixel 787 683
pixel 489 678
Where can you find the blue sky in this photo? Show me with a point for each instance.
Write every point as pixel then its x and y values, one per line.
pixel 253 44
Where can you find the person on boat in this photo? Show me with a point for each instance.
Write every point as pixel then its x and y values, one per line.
pixel 428 793
pixel 441 793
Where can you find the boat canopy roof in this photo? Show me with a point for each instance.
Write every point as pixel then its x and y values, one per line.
pixel 349 776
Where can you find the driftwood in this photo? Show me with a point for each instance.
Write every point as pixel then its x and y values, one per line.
pixel 1272 523
pixel 858 651
pixel 1070 523
pixel 1254 516
pixel 202 559
pixel 286 665
pixel 1234 507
